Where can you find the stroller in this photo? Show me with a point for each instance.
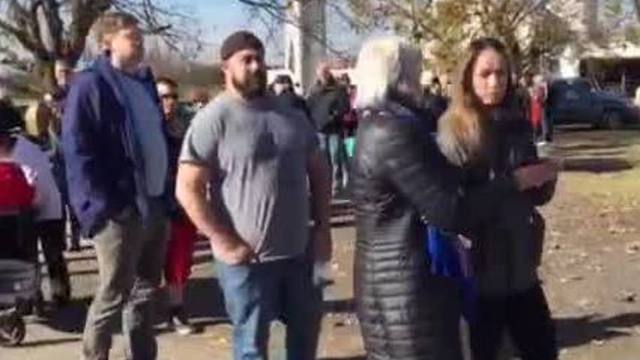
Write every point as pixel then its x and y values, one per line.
pixel 18 252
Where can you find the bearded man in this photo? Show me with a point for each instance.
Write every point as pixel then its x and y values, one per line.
pixel 247 167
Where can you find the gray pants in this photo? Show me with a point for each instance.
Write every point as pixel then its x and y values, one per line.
pixel 130 260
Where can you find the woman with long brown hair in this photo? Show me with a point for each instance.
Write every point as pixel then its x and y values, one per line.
pixel 484 133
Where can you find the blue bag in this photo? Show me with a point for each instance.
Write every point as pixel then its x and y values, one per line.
pixel 450 258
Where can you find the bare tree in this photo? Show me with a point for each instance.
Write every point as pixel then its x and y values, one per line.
pixel 272 14
pixel 527 27
pixel 267 5
pixel 48 30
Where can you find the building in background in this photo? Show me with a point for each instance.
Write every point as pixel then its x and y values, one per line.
pixel 610 61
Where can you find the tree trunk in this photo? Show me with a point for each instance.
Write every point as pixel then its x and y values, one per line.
pixel 636 7
pixel 515 53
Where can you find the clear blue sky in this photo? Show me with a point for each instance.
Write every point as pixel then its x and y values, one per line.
pixel 219 18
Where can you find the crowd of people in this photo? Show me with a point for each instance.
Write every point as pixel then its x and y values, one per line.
pixel 114 153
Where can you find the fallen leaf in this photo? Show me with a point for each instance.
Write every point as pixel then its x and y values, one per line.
pixel 633 248
pixel 627 296
pixel 585 303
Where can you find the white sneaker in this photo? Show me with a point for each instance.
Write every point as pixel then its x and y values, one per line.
pixel 180 323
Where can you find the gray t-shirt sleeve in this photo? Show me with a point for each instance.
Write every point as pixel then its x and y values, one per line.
pixel 200 145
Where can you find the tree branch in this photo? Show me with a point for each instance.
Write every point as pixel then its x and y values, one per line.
pixel 51 12
pixel 526 9
pixel 273 10
pixel 21 35
pixel 268 5
pixel 83 14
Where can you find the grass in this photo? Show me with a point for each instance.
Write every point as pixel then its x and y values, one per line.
pixel 601 163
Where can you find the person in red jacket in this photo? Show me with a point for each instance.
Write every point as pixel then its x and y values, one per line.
pixel 183 233
pixel 16 192
pixel 47 205
pixel 538 96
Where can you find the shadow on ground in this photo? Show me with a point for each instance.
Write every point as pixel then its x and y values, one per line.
pixel 204 305
pixel 71 318
pixel 593 147
pixel 206 308
pixel 594 152
pixel 71 259
pixel 573 332
pixel 597 164
pixel 579 140
pixel 346 306
pixel 41 343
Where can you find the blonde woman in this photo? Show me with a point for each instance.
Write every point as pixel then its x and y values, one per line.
pixel 401 181
pixel 484 133
pixel 38 118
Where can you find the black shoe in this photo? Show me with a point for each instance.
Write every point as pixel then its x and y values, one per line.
pixel 75 245
pixel 60 301
pixel 75 248
pixel 35 307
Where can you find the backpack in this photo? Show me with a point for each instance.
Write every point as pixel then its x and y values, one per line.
pixel 16 194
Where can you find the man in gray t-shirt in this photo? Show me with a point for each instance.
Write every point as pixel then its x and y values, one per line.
pixel 252 179
pixel 260 150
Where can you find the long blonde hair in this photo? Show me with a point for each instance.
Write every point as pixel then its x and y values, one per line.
pixel 462 134
pixel 37 119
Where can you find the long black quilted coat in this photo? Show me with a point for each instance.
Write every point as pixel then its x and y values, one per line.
pixel 400 180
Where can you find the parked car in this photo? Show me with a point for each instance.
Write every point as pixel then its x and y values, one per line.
pixel 574 101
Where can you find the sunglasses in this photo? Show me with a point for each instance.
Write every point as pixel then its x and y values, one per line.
pixel 169 96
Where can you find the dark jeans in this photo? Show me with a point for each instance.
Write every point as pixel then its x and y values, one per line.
pixel 257 294
pixel 525 316
pixel 130 260
pixel 546 128
pixel 50 234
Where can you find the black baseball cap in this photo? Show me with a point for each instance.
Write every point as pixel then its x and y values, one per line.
pixel 283 79
pixel 238 41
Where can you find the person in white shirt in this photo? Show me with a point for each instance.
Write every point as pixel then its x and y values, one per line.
pixel 49 223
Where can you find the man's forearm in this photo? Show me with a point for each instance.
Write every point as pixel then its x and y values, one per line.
pixel 192 195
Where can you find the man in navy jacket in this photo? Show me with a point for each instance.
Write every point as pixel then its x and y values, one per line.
pixel 114 142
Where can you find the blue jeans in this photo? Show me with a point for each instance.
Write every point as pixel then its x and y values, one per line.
pixel 257 294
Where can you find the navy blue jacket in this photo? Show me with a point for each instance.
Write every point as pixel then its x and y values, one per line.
pixel 105 173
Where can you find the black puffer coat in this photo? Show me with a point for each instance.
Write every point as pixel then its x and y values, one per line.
pixel 507 251
pixel 400 179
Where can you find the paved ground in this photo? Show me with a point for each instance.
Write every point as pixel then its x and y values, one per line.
pixel 59 337
pixel 591 271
